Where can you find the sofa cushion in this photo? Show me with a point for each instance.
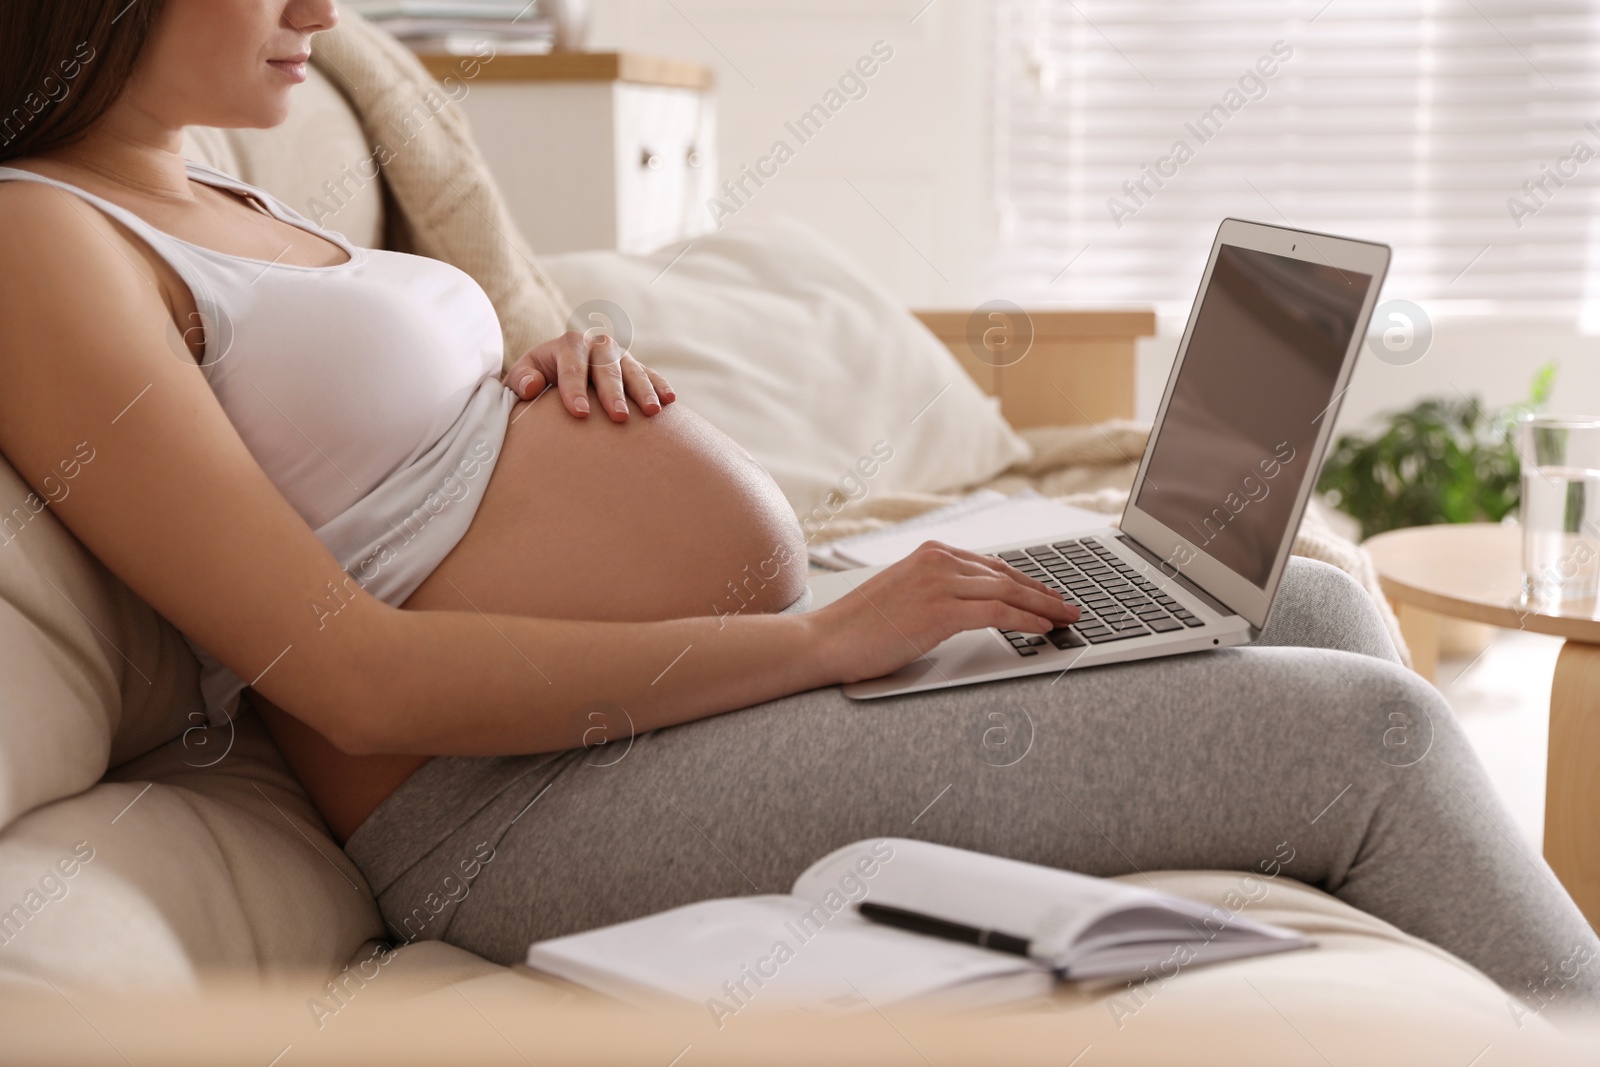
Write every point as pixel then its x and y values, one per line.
pixel 791 348
pixel 191 858
pixel 90 675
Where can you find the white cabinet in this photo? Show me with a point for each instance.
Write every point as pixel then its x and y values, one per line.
pixel 595 150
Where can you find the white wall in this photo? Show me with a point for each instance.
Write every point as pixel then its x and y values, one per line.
pixel 916 147
pixel 912 146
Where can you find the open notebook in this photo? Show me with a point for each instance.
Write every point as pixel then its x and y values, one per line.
pixel 814 949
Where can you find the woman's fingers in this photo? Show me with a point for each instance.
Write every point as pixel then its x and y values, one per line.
pixel 1000 566
pixel 1011 573
pixel 572 372
pixel 996 564
pixel 1002 590
pixel 1007 617
pixel 994 589
pixel 936 591
pixel 663 390
pixel 570 361
pixel 525 378
pixel 639 386
pixel 981 564
pixel 605 365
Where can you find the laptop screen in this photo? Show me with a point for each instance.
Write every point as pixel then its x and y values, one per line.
pixel 1257 376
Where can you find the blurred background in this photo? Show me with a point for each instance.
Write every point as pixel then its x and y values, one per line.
pixel 989 156
pixel 1079 154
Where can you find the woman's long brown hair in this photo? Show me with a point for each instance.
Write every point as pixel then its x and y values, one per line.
pixel 63 63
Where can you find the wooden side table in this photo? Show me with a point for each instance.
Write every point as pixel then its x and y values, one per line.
pixel 1474 571
pixel 1078 369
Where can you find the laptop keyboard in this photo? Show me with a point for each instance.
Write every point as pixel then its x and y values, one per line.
pixel 1117 602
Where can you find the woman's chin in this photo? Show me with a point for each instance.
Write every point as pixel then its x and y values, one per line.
pixel 277 111
pixel 269 107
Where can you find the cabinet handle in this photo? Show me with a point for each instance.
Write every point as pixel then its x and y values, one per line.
pixel 694 158
pixel 649 159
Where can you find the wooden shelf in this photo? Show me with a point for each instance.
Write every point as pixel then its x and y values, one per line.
pixel 575 67
pixel 1054 324
pixel 1079 368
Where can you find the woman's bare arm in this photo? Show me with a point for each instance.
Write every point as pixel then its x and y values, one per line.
pixel 176 506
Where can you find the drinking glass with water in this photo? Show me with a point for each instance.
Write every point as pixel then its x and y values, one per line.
pixel 1560 509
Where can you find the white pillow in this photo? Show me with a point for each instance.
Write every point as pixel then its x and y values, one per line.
pixel 784 343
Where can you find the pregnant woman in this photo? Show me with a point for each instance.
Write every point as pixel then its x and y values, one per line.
pixel 442 588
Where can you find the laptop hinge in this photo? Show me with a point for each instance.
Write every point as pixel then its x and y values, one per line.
pixel 1178 576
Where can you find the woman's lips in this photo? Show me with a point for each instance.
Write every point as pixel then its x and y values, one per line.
pixel 294 69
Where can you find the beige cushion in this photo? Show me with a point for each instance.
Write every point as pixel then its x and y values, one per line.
pixel 90 675
pixel 190 868
pixel 313 161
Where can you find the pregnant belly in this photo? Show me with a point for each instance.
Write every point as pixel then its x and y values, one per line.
pixel 655 518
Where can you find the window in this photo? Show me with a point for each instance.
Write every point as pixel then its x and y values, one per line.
pixel 1464 134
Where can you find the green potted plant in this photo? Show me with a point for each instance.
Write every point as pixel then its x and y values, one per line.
pixel 1443 460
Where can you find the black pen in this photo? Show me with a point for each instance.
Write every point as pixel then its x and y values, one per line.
pixel 918 923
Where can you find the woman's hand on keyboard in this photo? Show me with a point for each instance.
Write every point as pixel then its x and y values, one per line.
pixel 934 593
pixel 568 362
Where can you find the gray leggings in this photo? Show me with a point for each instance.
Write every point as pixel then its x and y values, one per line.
pixel 1313 742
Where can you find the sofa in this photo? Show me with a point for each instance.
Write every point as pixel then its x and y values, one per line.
pixel 169 894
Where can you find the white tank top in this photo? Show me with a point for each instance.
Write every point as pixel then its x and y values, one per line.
pixel 368 392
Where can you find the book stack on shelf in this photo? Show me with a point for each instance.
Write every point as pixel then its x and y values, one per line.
pixel 460 27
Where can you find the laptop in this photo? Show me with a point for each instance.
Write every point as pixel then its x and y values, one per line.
pixel 1232 459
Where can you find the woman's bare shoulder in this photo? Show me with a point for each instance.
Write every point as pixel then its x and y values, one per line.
pixel 21 199
pixel 40 223
pixel 30 209
pixel 18 195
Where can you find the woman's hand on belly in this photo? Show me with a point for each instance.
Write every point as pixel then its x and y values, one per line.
pixel 568 362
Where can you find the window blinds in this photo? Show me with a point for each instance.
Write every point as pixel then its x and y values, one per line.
pixel 1466 134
